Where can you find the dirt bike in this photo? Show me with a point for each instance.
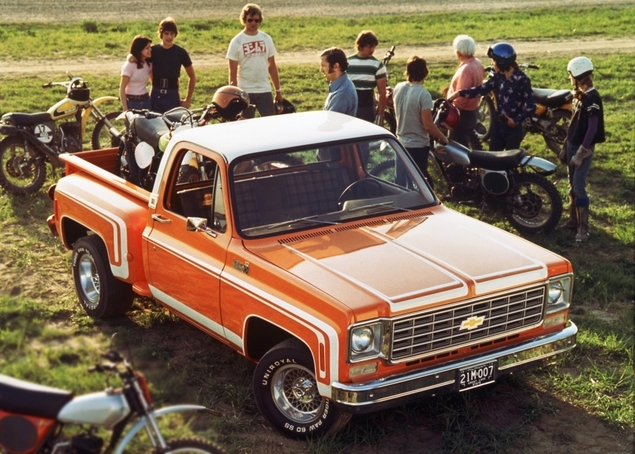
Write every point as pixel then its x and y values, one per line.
pixel 33 417
pixel 33 139
pixel 551 118
pixel 148 133
pixel 390 119
pixel 511 181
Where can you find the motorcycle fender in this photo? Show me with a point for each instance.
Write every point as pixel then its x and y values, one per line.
pixel 155 414
pixel 89 109
pixel 540 165
pixel 103 409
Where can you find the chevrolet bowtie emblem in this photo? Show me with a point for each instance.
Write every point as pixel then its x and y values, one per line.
pixel 472 322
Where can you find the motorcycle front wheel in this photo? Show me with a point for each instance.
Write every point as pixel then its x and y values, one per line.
pixel 534 205
pixel 486 109
pixel 102 138
pixel 190 445
pixel 556 133
pixel 21 171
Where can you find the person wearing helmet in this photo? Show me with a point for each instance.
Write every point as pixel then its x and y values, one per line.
pixel 413 111
pixel 469 74
pixel 586 129
pixel 252 62
pixel 514 98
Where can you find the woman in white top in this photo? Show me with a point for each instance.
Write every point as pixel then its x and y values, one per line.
pixel 135 74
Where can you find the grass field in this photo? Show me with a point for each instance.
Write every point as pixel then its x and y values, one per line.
pixel 583 403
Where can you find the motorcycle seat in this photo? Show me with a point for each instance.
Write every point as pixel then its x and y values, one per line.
pixel 26 119
pixel 496 160
pixel 18 396
pixel 150 130
pixel 552 98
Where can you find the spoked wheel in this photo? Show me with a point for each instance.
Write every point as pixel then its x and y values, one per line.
pixel 122 168
pixel 102 137
pixel 286 393
pixel 436 179
pixel 556 133
pixel 486 111
pixel 534 205
pixel 21 170
pixel 190 445
pixel 390 122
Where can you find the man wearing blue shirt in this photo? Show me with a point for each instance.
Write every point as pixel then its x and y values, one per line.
pixel 342 96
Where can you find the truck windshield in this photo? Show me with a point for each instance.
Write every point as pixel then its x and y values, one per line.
pixel 294 190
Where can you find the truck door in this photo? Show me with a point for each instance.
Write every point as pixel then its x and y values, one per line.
pixel 184 266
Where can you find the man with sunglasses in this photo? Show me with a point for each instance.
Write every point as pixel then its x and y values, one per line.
pixel 252 62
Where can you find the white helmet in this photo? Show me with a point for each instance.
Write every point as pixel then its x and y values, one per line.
pixel 580 67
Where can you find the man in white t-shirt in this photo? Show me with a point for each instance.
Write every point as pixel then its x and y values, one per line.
pixel 252 62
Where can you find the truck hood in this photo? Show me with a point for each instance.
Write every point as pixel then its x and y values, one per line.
pixel 410 262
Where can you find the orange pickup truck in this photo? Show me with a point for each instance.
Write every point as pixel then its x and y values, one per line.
pixel 352 292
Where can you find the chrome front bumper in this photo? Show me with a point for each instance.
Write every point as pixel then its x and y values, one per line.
pixel 393 391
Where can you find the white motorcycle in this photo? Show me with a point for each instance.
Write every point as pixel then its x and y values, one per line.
pixel 33 417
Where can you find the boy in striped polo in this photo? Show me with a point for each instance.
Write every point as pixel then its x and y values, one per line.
pixel 367 72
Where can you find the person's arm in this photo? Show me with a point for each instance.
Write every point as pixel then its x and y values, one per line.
pixel 275 78
pixel 428 124
pixel 592 128
pixel 233 72
pixel 191 83
pixel 122 91
pixel 381 105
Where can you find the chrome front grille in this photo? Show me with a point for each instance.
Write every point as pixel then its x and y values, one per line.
pixel 447 328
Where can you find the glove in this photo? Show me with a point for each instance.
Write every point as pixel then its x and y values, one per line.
pixel 580 155
pixel 379 120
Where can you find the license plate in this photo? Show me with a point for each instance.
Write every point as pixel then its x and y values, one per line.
pixel 476 376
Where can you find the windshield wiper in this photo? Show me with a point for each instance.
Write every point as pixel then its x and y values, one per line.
pixel 379 205
pixel 306 218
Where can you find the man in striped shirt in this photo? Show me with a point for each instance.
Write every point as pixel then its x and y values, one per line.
pixel 367 72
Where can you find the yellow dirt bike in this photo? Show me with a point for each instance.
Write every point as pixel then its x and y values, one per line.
pixel 32 139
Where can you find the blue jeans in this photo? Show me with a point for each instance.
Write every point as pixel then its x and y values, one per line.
pixel 505 137
pixel 138 105
pixel 263 102
pixel 577 176
pixel 162 102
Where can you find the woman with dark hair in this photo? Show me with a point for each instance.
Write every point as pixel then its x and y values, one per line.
pixel 135 74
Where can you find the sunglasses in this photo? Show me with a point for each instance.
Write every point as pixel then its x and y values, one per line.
pixel 254 20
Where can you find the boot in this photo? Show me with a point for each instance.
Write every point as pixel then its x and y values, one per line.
pixel 583 230
pixel 580 155
pixel 572 223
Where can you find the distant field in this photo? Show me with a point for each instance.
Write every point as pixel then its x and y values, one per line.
pixel 124 10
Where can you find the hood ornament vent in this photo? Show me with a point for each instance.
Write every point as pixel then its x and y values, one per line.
pixel 355 225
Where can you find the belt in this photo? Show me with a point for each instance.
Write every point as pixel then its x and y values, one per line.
pixel 138 97
pixel 164 91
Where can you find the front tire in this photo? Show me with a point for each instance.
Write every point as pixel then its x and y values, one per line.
pixel 100 293
pixel 102 138
pixel 486 110
pixel 190 445
pixel 534 205
pixel 21 171
pixel 286 393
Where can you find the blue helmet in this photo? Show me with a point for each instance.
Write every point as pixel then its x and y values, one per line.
pixel 503 54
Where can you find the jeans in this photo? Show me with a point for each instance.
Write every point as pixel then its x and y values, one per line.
pixel 504 137
pixel 263 102
pixel 134 104
pixel 577 176
pixel 461 133
pixel 162 102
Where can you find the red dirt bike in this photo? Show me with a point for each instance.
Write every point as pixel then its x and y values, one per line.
pixel 551 119
pixel 33 417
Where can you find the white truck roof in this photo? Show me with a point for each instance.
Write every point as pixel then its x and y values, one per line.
pixel 242 137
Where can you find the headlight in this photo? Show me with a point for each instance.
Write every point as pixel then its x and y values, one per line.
pixel 365 341
pixel 559 292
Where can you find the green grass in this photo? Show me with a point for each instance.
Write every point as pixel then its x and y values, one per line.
pixel 45 337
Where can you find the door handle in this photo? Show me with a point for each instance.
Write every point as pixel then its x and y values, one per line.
pixel 161 219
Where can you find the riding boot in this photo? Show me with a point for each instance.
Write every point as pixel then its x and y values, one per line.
pixel 583 230
pixel 572 223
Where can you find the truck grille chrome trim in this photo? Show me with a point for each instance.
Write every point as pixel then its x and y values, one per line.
pixel 448 328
